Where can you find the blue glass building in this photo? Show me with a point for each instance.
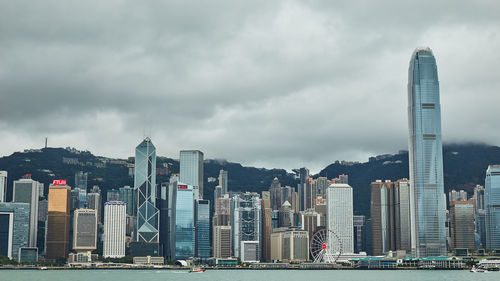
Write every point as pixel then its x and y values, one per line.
pixel 492 205
pixel 148 217
pixel 184 222
pixel 427 206
pixel 202 232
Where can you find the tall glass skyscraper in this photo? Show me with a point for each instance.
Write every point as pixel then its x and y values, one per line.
pixel 191 169
pixel 148 217
pixel 427 206
pixel 492 205
pixel 202 228
pixel 184 222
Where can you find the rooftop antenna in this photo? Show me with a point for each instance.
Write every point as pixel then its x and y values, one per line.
pixel 46 142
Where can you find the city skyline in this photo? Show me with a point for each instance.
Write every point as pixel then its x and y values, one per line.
pixel 283 76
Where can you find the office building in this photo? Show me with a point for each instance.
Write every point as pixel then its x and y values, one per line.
pixel 184 221
pixel 27 254
pixel 267 227
pixel 218 193
pixel 222 210
pixel 303 176
pixel 94 203
pixel 222 241
pixel 492 206
pixel 148 216
pixel 310 221
pixel 462 224
pixel 113 195
pixel 287 218
pixel 319 187
pixel 275 194
pixel 58 221
pixel 223 181
pixel 480 214
pixel 404 226
pixel 3 185
pixel 43 210
pixel 127 196
pixel 202 229
pixel 359 234
pixel 14 228
pixel 340 218
pixel 115 214
pixel 26 191
pixel 191 169
pixel 246 225
pixel 81 180
pixel 85 230
pixel 290 245
pixel 427 206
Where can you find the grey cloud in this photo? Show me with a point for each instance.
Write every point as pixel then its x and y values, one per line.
pixel 271 83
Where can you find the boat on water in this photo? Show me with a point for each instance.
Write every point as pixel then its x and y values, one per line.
pixel 197 270
pixel 478 269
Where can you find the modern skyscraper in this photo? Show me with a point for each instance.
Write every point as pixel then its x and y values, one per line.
pixel 191 169
pixel 113 195
pixel 57 233
pixel 310 221
pixel 303 176
pixel 3 185
pixel 202 228
pixel 148 216
pixel 480 214
pixel 359 234
pixel 222 241
pixel 246 224
pixel 492 205
pixel 127 196
pixel 223 181
pixel 275 194
pixel 340 218
pixel 115 214
pixel 462 224
pixel 14 228
pixel 184 222
pixel 26 191
pixel 267 228
pixel 81 184
pixel 94 203
pixel 85 230
pixel 428 236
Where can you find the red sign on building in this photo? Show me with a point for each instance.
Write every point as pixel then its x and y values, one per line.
pixel 59 182
pixel 182 186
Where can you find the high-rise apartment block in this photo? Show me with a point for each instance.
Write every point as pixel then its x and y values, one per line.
pixel 427 206
pixel 115 214
pixel 223 179
pixel 58 221
pixel 191 169
pixel 27 190
pixel 492 206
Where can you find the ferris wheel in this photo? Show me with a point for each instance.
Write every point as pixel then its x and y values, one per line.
pixel 325 246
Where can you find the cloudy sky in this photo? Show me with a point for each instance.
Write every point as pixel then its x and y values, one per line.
pixel 265 83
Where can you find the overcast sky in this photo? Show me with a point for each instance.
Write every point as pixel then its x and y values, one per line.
pixel 265 83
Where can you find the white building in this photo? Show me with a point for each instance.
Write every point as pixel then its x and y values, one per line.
pixel 340 218
pixel 3 185
pixel 115 214
pixel 250 251
pixel 191 169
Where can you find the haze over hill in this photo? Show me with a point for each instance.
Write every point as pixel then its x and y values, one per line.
pixel 464 167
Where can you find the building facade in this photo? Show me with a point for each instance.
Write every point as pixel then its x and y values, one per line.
pixel 340 218
pixel 222 241
pixel 492 206
pixel 115 214
pixel 184 222
pixel 3 185
pixel 462 224
pixel 85 230
pixel 27 191
pixel 202 229
pixel 191 169
pixel 127 196
pixel 223 179
pixel 14 228
pixel 148 216
pixel 246 225
pixel 428 236
pixel 58 222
